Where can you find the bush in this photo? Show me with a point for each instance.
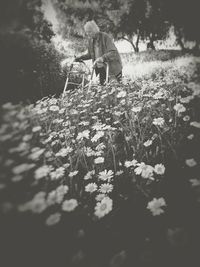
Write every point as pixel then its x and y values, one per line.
pixel 30 68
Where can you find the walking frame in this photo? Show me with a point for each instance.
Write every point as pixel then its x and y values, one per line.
pixel 83 73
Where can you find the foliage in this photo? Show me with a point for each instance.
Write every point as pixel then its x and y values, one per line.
pixel 154 26
pixel 184 16
pixel 124 19
pixel 23 14
pixel 147 19
pixel 30 64
pixel 30 68
pixel 89 161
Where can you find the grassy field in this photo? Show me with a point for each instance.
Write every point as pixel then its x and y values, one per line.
pixel 116 166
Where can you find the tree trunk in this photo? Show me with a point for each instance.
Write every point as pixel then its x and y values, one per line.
pixel 196 47
pixel 137 41
pixel 150 44
pixel 179 38
pixel 135 47
pixel 180 42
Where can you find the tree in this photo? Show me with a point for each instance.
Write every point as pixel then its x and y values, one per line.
pixel 154 25
pixel 131 22
pixel 111 16
pixel 124 19
pixel 22 15
pixel 184 16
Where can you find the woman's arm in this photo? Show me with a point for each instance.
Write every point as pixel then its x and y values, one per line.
pixel 112 52
pixel 84 57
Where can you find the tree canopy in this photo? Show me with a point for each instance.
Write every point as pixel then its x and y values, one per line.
pixel 124 19
pixel 25 16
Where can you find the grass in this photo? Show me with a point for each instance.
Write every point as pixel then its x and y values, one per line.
pixel 117 166
pixel 151 55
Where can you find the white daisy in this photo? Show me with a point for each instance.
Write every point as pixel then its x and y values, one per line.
pixel 84 134
pixel 89 175
pixel 190 136
pixel 98 160
pixel 179 108
pixel 155 206
pixel 97 136
pixel 195 182
pixel 106 175
pixel 186 118
pixel 158 121
pixel 99 197
pixel 136 109
pixel 100 146
pixel 37 204
pixel 69 205
pixel 119 172
pixel 195 124
pixel 89 152
pixel 36 129
pixel 159 169
pixel 146 171
pixel 131 163
pixel 53 219
pixel 104 207
pixel 121 94
pixel 54 108
pixel 58 173
pixel 72 174
pixel 24 167
pixel 147 143
pixel 91 187
pixel 190 162
pixel 106 188
pixel 63 152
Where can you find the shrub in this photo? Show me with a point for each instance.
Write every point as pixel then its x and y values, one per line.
pixel 30 68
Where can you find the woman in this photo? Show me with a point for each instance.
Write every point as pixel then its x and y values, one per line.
pixel 102 50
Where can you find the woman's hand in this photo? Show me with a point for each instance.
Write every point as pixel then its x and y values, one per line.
pixel 98 60
pixel 77 59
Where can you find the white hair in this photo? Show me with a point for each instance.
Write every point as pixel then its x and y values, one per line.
pixel 91 25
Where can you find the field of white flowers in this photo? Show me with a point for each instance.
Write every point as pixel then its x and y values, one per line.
pixel 108 177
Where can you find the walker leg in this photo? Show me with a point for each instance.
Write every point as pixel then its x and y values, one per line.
pixel 107 72
pixel 65 87
pixel 83 80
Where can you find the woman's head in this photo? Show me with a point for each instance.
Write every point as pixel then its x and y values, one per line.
pixel 91 28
